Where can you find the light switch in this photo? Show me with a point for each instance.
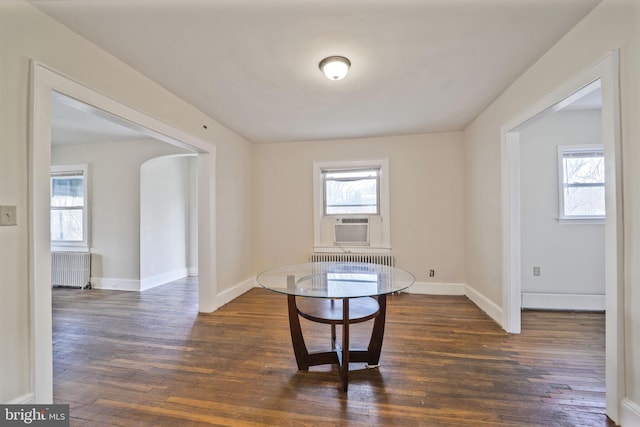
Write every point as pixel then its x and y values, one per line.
pixel 8 215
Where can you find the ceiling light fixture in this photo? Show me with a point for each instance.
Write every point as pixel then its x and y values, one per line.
pixel 335 67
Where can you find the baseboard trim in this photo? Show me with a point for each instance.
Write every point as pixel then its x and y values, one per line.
pixel 234 292
pixel 114 284
pixel 542 301
pixel 161 279
pixel 485 304
pixel 630 413
pixel 25 399
pixel 432 288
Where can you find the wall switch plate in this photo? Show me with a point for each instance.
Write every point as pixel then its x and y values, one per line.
pixel 536 271
pixel 8 215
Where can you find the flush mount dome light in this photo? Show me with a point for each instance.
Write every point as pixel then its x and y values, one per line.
pixel 335 67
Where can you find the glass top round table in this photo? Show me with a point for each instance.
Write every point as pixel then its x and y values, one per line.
pixel 335 280
pixel 336 293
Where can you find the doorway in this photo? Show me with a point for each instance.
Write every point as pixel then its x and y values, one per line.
pixel 117 197
pixel 44 82
pixel 563 206
pixel 607 71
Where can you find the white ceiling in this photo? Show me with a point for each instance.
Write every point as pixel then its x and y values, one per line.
pixel 417 65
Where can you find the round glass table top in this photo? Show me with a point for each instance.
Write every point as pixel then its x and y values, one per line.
pixel 335 279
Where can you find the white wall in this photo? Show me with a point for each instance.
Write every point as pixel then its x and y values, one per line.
pixel 614 24
pixel 426 192
pixel 234 209
pixel 165 211
pixel 570 256
pixel 27 34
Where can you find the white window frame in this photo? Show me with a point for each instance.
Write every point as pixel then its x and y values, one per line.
pixel 573 219
pixel 80 246
pixel 383 199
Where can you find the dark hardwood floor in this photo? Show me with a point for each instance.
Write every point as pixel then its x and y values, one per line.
pixel 149 359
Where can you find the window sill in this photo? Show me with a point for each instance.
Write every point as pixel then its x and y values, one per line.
pixel 79 248
pixel 581 221
pixel 352 249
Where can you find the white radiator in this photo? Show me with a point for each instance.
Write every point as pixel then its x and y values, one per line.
pixel 72 269
pixel 384 259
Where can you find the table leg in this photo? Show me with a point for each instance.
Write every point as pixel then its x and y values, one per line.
pixel 344 366
pixel 333 330
pixel 333 336
pixel 299 347
pixel 377 333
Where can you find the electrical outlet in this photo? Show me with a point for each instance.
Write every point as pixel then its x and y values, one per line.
pixel 8 215
pixel 432 273
pixel 536 271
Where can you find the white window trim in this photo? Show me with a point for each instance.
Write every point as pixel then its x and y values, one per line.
pixel 83 246
pixel 384 199
pixel 562 218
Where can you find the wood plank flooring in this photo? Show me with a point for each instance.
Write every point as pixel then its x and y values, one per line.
pixel 150 359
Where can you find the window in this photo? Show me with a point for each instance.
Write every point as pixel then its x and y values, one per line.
pixel 351 195
pixel 69 206
pixel 581 170
pixel 351 191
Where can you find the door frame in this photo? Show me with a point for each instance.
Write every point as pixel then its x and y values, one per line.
pixel 607 70
pixel 44 80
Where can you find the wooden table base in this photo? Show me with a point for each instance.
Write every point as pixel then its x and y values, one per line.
pixel 328 311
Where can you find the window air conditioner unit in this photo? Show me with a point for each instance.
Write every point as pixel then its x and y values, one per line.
pixel 351 231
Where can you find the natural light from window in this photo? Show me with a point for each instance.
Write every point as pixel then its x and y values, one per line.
pixel 68 211
pixel 351 192
pixel 582 194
